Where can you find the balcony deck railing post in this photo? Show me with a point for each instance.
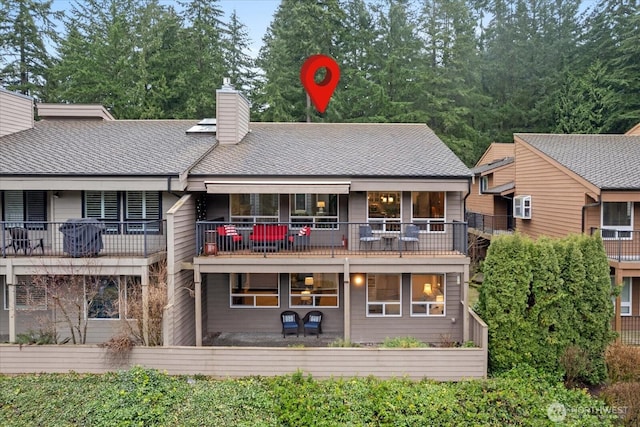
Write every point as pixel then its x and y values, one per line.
pixel 4 242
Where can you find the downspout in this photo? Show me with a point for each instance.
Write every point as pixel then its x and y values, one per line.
pixel 465 276
pixel 590 205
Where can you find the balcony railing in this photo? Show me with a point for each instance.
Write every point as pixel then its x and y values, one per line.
pixel 331 239
pixel 630 333
pixel 82 239
pixel 490 224
pixel 620 245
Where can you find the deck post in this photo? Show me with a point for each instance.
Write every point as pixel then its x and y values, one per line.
pixel 197 278
pixel 347 301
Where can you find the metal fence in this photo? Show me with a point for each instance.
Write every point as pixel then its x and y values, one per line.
pixel 620 245
pixel 82 239
pixel 331 239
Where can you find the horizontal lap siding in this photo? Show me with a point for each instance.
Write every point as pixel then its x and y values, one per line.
pixel 427 329
pixel 556 198
pixel 222 318
pixel 223 362
pixel 16 113
pixel 181 319
pixel 481 203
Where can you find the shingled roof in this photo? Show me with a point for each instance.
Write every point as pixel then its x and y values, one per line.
pixel 122 147
pixel 327 149
pixel 610 162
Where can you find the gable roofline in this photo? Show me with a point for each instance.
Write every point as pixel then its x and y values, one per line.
pixel 493 147
pixel 594 189
pixel 634 130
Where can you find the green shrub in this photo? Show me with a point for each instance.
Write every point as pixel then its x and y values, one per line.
pixel 548 304
pixel 403 342
pixel 37 337
pixel 149 398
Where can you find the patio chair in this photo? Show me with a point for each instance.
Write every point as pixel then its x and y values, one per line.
pixel 367 237
pixel 312 323
pixel 20 241
pixel 290 323
pixel 411 235
pixel 302 240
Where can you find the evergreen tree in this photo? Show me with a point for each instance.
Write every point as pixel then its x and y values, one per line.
pixel 239 64
pixel 99 57
pixel 26 29
pixel 584 103
pixel 503 301
pixel 300 28
pixel 203 66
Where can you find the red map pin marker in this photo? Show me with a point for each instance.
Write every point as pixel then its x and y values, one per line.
pixel 320 93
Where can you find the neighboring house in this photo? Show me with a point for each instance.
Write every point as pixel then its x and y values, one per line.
pixel 585 184
pixel 490 203
pixel 364 222
pixel 560 184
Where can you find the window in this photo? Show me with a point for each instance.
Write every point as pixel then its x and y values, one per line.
pixel 484 184
pixel 103 297
pixel 384 295
pixel 252 208
pixel 25 209
pixel 522 207
pixel 140 207
pixel 617 220
pixel 315 210
pixel 428 210
pixel 428 294
pixel 625 296
pixel 313 290
pixel 255 290
pixel 29 295
pixel 384 210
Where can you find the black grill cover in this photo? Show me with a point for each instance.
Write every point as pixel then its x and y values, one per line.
pixel 82 237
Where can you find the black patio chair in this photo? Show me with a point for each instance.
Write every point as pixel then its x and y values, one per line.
pixel 312 323
pixel 290 323
pixel 20 241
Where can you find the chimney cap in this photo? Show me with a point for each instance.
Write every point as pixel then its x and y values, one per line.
pixel 226 84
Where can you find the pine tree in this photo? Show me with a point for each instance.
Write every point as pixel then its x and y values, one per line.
pixel 238 62
pixel 26 31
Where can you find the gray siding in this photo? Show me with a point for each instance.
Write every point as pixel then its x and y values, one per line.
pixel 183 318
pixel 443 364
pixel 223 318
pixel 180 316
pixel 428 329
pixel 16 112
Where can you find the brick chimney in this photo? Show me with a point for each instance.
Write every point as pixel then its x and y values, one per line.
pixel 232 114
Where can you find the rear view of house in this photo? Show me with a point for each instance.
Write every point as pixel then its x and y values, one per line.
pixel 362 222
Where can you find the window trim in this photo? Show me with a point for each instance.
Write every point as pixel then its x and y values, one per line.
pixel 247 221
pixel 254 295
pixel 429 304
pixel 314 296
pixel 620 232
pixel 384 304
pixel 483 184
pixel 26 222
pixel 522 207
pixel 314 221
pixel 430 225
pixel 119 225
pixel 384 224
